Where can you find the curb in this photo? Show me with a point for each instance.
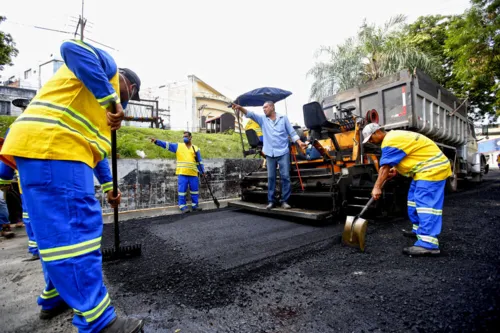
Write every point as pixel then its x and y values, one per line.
pixel 160 211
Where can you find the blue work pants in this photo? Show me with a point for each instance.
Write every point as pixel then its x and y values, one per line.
pixel 425 210
pixel 183 184
pixel 32 245
pixel 66 219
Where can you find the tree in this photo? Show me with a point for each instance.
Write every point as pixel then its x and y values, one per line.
pixel 7 48
pixel 342 70
pixel 429 34
pixel 376 51
pixel 474 45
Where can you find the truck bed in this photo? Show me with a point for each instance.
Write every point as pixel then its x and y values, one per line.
pixel 408 101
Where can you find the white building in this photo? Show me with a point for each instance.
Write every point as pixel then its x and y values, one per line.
pixel 191 103
pixel 37 75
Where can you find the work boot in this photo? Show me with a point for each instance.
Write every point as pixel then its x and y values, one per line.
pixel 7 232
pixel 55 311
pixel 185 211
pixel 284 205
pixel 124 325
pixel 409 234
pixel 35 257
pixel 197 209
pixel 270 206
pixel 417 251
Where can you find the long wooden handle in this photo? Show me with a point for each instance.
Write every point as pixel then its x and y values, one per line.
pixel 114 169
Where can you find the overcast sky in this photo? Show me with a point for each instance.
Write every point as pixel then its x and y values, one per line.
pixel 235 46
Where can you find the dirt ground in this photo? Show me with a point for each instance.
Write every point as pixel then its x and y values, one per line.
pixel 231 271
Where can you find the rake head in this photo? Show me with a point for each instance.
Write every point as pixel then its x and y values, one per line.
pixel 123 252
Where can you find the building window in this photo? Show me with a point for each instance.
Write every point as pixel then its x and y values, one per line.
pixel 27 74
pixel 203 122
pixel 5 108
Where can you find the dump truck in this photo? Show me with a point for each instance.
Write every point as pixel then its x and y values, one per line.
pixel 337 173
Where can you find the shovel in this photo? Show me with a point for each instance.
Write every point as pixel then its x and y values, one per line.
pixel 216 202
pixel 118 251
pixel 355 229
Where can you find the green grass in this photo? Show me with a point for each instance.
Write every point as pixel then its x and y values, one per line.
pixel 5 122
pixel 131 139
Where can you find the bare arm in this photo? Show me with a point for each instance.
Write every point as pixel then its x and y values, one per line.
pixel 383 175
pixel 237 107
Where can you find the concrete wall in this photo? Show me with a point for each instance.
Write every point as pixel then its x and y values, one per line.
pixel 152 183
pixel 8 94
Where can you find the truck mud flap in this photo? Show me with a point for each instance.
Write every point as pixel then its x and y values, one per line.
pixel 316 215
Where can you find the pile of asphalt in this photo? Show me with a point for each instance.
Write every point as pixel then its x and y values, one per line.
pixel 228 271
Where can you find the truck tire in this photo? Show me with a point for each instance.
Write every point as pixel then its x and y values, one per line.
pixel 451 184
pixel 485 165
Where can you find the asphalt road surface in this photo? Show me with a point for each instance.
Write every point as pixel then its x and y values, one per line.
pixel 232 271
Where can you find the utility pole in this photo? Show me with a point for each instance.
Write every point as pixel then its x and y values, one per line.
pixel 81 23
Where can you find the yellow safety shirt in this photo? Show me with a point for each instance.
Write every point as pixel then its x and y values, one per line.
pixel 66 120
pixel 253 125
pixel 414 155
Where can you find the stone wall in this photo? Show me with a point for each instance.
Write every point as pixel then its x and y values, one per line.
pixel 153 183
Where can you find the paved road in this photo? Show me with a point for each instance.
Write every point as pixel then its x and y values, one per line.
pixel 229 271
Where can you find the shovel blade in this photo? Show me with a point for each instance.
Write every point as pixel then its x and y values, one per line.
pixel 355 232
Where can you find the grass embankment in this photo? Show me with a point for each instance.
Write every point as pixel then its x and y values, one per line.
pixel 131 139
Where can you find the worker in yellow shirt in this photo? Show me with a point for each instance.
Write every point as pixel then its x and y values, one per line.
pixel 55 144
pixel 416 156
pixel 253 125
pixel 189 165
pixel 498 160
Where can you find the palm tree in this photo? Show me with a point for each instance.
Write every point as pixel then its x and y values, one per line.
pixel 375 52
pixel 342 69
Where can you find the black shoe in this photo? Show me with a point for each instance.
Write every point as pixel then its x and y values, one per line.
pixel 284 205
pixel 270 206
pixel 409 234
pixel 420 251
pixel 7 231
pixel 197 209
pixel 33 258
pixel 185 211
pixel 49 314
pixel 124 325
